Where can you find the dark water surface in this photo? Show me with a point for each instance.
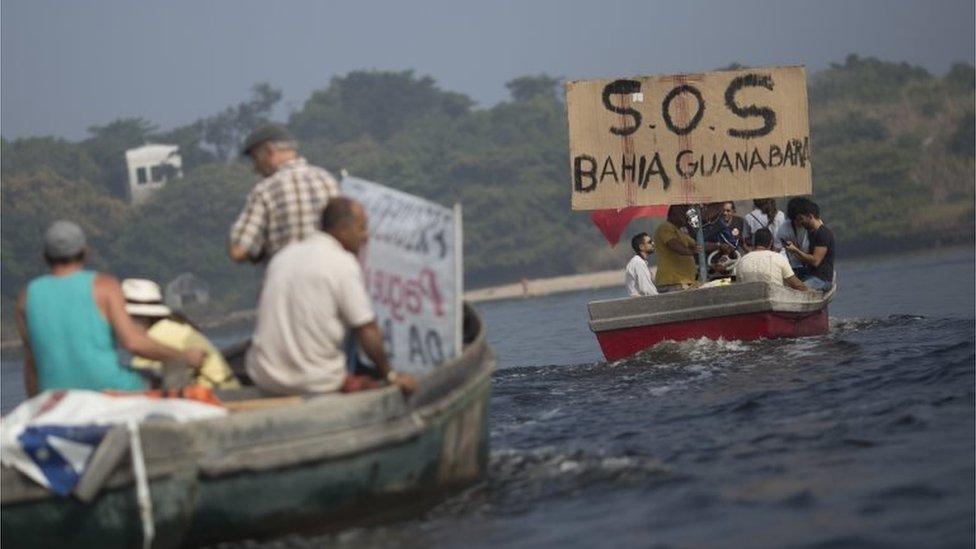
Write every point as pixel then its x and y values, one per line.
pixel 860 438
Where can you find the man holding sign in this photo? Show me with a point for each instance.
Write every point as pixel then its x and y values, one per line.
pixel 313 296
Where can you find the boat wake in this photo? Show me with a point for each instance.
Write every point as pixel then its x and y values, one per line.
pixel 695 350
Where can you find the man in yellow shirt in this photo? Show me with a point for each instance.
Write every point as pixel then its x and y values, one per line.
pixel 676 269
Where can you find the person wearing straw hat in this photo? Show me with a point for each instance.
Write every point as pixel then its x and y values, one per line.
pixel 144 302
pixel 71 318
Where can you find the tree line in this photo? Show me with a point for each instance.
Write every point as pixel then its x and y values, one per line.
pixel 892 153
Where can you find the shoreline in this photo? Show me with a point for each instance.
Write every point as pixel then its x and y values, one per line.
pixel 528 288
pixel 539 287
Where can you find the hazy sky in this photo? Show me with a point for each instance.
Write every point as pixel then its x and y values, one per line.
pixel 67 64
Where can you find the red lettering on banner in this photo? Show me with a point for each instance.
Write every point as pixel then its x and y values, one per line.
pixel 432 292
pixel 410 295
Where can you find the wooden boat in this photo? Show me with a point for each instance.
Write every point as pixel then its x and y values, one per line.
pixel 263 471
pixel 742 311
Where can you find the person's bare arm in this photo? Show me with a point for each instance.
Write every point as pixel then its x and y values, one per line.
pixel 237 253
pixel 370 339
pixel 133 338
pixel 813 259
pixel 796 284
pixel 30 369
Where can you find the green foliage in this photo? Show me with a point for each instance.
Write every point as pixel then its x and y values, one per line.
pixel 863 79
pixel 190 140
pixel 891 143
pixel 847 127
pixel 865 186
pixel 184 227
pixel 31 154
pixel 963 139
pixel 527 88
pixel 226 130
pixel 961 78
pixel 32 201
pixel 377 104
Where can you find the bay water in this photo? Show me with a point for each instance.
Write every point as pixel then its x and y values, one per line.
pixel 863 437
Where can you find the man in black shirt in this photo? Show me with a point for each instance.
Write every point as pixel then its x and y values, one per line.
pixel 821 256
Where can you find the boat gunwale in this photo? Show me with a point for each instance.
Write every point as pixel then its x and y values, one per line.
pixel 772 298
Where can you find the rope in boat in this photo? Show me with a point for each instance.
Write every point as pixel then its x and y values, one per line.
pixel 142 485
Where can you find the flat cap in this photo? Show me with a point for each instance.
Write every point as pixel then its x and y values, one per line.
pixel 63 239
pixel 264 133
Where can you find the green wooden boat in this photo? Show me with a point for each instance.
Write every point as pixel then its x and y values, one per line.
pixel 259 472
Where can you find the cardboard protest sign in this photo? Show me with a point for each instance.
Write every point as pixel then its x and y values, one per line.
pixel 412 267
pixel 724 135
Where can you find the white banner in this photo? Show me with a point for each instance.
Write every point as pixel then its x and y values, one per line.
pixel 412 265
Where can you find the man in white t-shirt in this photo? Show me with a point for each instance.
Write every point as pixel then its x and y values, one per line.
pixel 638 277
pixel 765 216
pixel 765 265
pixel 313 296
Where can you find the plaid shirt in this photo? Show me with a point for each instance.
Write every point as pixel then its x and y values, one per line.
pixel 283 208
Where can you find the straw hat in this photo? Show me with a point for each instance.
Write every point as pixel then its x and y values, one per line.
pixel 143 298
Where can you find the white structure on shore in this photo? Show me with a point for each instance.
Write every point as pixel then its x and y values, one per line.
pixel 149 168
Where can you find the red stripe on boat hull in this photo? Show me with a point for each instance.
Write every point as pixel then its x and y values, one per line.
pixel 617 344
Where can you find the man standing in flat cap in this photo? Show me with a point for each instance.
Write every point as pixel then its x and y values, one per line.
pixel 71 318
pixel 285 206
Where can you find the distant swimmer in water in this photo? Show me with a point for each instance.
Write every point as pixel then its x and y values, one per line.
pixel 638 277
pixel 764 265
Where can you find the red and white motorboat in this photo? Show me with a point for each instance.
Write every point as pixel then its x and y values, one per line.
pixel 737 311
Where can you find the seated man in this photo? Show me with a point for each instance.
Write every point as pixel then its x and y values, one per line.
pixel 313 295
pixel 70 319
pixel 765 265
pixel 144 302
pixel 718 235
pixel 735 224
pixel 718 231
pixel 792 231
pixel 820 260
pixel 676 268
pixel 638 277
pixel 766 215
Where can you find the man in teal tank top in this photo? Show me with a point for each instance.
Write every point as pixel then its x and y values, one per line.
pixel 71 319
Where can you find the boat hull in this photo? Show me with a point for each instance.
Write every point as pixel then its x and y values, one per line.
pixel 618 344
pixel 745 312
pixel 265 472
